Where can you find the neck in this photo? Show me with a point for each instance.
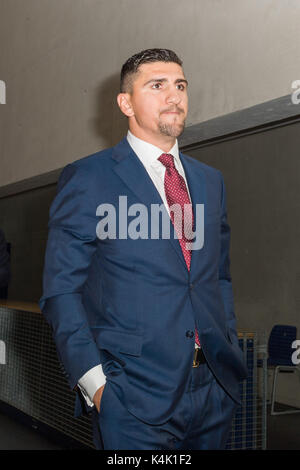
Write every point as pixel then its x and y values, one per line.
pixel 163 142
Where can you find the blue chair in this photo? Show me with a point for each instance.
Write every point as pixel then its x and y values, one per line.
pixel 280 358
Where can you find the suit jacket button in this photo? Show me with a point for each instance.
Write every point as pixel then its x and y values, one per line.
pixel 189 334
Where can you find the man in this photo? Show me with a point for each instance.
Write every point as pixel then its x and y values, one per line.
pixel 145 326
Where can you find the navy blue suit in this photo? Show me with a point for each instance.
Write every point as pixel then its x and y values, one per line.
pixel 135 299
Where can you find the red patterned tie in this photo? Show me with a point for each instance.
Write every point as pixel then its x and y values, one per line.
pixel 177 193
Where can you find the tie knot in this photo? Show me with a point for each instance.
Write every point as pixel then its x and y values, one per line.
pixel 167 160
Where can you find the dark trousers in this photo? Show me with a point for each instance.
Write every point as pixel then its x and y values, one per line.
pixel 202 420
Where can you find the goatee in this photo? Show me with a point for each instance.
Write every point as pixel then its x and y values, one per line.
pixel 171 130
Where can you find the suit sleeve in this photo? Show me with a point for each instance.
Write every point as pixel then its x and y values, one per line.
pixel 225 281
pixel 70 248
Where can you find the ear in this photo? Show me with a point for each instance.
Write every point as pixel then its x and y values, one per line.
pixel 124 103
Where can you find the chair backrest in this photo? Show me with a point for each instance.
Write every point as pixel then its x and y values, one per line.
pixel 279 344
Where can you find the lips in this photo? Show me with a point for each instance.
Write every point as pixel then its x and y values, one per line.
pixel 171 112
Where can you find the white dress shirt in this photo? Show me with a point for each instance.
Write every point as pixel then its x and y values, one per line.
pixel 148 155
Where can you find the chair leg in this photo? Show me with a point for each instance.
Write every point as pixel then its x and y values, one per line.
pixel 273 412
pixel 269 400
pixel 273 390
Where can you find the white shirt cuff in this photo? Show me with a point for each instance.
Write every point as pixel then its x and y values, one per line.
pixel 90 382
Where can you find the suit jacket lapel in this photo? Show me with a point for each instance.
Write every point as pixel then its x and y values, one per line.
pixel 196 183
pixel 133 173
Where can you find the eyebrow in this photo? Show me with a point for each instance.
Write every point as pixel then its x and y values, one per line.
pixel 161 80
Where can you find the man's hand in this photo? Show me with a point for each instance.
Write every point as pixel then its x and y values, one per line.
pixel 97 397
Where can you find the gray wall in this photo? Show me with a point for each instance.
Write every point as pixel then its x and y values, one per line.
pixel 61 59
pixel 24 220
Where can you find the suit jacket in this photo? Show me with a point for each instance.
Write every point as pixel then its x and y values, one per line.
pixel 135 298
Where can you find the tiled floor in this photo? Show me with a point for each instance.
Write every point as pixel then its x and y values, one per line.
pixel 17 436
pixel 283 430
pixel 282 434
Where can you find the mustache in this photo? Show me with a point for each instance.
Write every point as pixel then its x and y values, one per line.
pixel 172 110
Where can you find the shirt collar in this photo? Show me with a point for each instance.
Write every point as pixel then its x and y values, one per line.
pixel 149 153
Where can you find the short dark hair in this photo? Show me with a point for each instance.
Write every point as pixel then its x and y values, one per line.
pixel 130 67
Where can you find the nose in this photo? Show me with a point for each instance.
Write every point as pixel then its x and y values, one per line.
pixel 173 96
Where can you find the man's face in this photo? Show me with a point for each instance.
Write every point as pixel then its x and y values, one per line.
pixel 159 101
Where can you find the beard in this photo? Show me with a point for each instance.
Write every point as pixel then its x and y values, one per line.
pixel 171 130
